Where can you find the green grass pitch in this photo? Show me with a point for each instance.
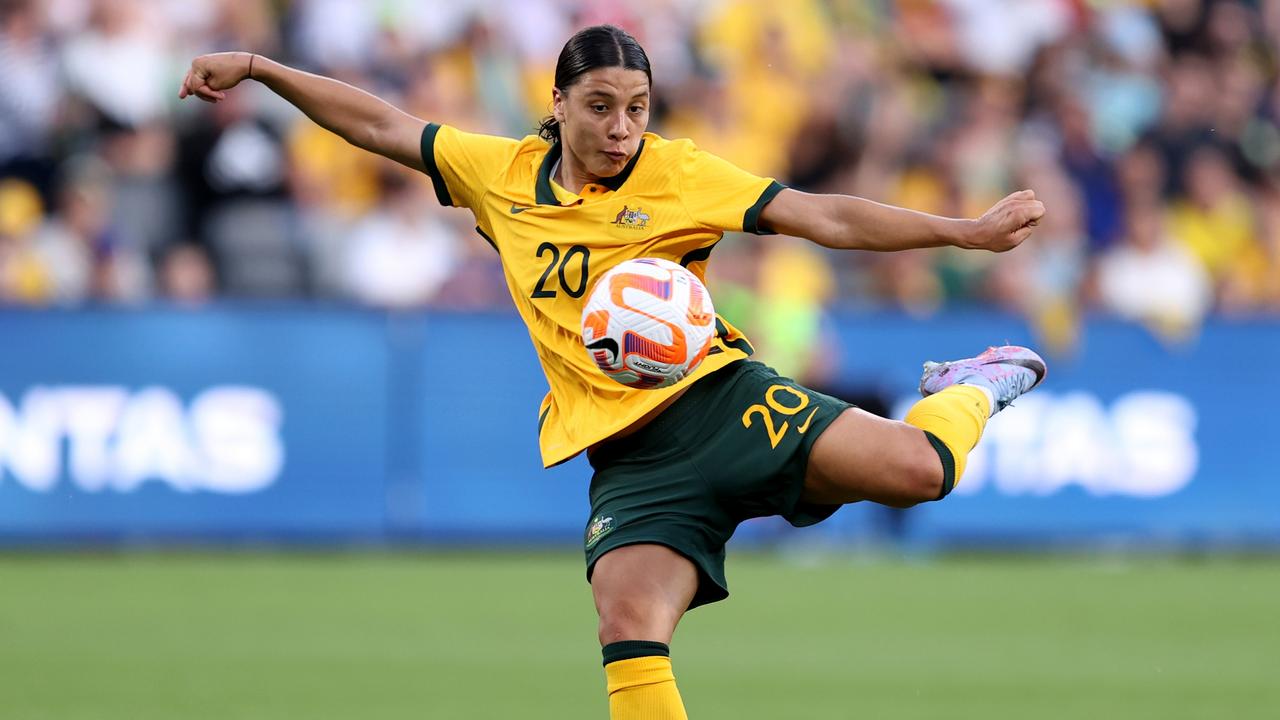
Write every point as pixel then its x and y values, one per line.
pixel 490 635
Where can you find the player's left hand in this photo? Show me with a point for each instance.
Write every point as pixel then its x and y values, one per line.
pixel 1007 223
pixel 211 75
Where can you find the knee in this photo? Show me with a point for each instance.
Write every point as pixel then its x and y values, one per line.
pixel 641 591
pixel 922 479
pixel 623 618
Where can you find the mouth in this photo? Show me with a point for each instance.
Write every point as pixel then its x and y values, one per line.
pixel 615 156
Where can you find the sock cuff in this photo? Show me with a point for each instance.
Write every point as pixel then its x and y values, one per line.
pixel 948 464
pixel 628 649
pixel 981 389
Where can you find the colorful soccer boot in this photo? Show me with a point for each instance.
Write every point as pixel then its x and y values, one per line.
pixel 1006 372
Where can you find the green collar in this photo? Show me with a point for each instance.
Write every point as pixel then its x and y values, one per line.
pixel 546 196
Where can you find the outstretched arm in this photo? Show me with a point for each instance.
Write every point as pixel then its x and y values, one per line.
pixel 356 116
pixel 842 221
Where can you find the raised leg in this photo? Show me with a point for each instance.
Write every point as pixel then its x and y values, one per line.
pixel 864 457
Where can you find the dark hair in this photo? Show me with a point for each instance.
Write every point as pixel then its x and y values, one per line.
pixel 599 46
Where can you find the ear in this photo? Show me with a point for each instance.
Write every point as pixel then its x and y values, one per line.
pixel 557 104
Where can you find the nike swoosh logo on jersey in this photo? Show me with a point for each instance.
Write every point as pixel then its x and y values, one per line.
pixel 517 209
pixel 807 420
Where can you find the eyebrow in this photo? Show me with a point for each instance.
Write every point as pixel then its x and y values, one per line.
pixel 609 95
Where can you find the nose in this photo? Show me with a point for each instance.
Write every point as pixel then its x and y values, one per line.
pixel 618 127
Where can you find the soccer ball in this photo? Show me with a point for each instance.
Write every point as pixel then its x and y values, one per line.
pixel 648 323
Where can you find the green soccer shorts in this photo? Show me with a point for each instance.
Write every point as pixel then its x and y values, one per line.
pixel 735 446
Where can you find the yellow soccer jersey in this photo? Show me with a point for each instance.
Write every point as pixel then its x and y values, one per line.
pixel 672 201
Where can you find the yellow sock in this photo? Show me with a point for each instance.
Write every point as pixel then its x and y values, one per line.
pixel 953 420
pixel 641 687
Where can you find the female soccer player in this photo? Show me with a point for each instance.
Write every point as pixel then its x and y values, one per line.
pixel 676 470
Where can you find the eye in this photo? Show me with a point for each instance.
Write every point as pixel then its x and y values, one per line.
pixel 599 107
pixel 637 109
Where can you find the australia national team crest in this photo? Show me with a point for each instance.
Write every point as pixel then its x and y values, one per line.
pixel 631 218
pixel 602 525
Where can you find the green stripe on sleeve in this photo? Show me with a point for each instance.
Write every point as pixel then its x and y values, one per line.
pixel 429 161
pixel 751 220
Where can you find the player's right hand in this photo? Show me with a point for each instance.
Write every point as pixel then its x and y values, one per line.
pixel 1007 223
pixel 211 75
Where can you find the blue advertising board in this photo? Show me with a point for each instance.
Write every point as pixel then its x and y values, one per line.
pixel 293 423
pixel 167 423
pixel 479 442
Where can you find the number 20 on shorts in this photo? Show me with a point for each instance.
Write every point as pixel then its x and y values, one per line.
pixel 773 403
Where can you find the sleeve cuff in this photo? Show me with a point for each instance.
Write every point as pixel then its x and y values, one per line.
pixel 429 161
pixel 751 220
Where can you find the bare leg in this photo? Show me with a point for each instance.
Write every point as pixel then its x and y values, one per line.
pixel 864 457
pixel 641 592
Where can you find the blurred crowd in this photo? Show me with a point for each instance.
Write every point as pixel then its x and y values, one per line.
pixel 1150 129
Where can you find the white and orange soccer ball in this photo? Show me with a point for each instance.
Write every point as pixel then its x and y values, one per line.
pixel 648 323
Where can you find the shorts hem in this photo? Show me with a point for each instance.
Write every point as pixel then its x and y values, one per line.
pixel 709 590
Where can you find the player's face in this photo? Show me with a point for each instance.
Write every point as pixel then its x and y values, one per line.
pixel 602 117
